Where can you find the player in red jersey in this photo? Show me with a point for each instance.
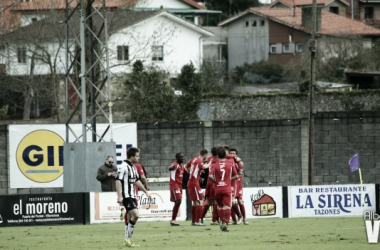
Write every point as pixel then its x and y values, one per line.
pixel 210 191
pixel 176 175
pixel 235 208
pixel 239 184
pixel 196 165
pixel 223 172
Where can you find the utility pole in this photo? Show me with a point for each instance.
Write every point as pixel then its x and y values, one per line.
pixel 313 50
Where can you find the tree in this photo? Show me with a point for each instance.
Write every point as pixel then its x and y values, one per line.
pixel 148 97
pixel 229 7
pixel 190 83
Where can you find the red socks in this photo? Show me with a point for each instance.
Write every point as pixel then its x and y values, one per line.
pixel 199 213
pixel 242 210
pixel 236 209
pixel 215 213
pixel 193 213
pixel 205 209
pixel 175 210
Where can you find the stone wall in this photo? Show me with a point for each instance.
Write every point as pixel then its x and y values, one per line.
pixel 275 152
pixel 284 106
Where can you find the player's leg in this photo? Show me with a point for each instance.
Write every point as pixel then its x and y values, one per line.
pixel 239 197
pixel 199 206
pixel 176 197
pixel 226 207
pixel 131 208
pixel 242 209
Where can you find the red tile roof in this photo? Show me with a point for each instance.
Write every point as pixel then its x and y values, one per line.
pixel 8 20
pixel 292 3
pixel 332 24
pixel 61 4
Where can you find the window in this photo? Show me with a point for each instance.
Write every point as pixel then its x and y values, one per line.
pixel 21 55
pixel 273 49
pixel 122 53
pixel 262 22
pixel 299 47
pixel 157 53
pixel 334 9
pixel 246 23
pixel 285 48
pixel 34 19
pixel 254 23
pixel 368 13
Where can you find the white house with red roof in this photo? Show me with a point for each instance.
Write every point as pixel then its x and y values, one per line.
pixel 34 10
pixel 282 34
pixel 158 38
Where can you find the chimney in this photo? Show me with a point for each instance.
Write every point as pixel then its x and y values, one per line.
pixel 306 17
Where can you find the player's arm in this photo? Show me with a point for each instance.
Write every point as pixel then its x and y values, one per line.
pixel 118 191
pixel 144 181
pixel 206 166
pixel 142 188
pixel 234 174
pixel 172 167
pixel 239 162
pixel 211 175
pixel 188 165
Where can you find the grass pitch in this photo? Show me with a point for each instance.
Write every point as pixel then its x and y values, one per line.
pixel 293 234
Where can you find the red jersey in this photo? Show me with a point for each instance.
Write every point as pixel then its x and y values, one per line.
pixel 212 158
pixel 140 171
pixel 196 165
pixel 176 175
pixel 232 160
pixel 223 171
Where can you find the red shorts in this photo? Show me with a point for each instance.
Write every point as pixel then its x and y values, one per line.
pixel 195 193
pixel 223 198
pixel 239 189
pixel 210 192
pixel 175 194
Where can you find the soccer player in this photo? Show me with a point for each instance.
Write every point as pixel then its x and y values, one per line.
pixel 223 172
pixel 239 184
pixel 176 176
pixel 210 192
pixel 126 180
pixel 196 165
pixel 144 181
pixel 235 208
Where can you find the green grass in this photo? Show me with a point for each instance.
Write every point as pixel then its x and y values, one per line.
pixel 303 233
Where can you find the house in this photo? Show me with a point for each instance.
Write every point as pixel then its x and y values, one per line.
pixel 365 10
pixel 339 7
pixel 282 34
pixel 34 10
pixel 215 47
pixel 158 38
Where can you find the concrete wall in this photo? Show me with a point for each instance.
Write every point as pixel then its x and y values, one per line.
pixel 247 43
pixel 275 152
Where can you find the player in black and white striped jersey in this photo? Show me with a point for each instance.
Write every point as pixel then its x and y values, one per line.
pixel 126 180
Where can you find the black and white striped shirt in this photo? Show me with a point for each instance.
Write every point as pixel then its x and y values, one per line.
pixel 128 175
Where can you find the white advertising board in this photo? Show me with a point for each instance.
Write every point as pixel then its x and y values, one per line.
pixel 263 202
pixel 105 209
pixel 36 151
pixel 331 200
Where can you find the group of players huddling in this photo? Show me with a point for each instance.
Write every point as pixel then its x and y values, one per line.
pixel 224 189
pixel 223 186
